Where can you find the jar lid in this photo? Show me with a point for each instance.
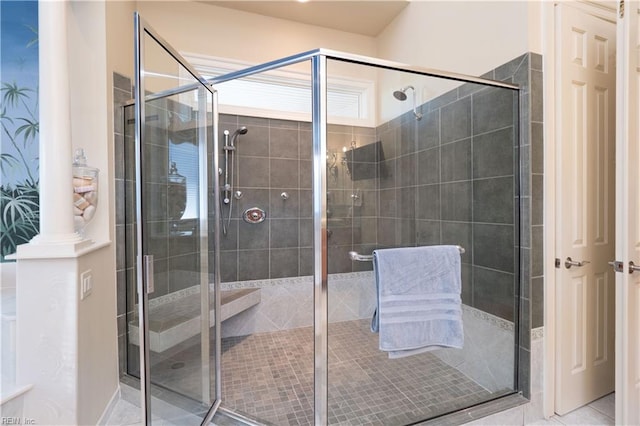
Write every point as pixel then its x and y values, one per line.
pixel 80 159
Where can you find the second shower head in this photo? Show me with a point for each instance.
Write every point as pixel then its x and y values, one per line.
pixel 401 95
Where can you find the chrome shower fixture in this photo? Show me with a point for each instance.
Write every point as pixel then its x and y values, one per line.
pixel 401 95
pixel 227 188
pixel 240 131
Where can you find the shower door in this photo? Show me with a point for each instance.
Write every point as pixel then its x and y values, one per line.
pixel 177 305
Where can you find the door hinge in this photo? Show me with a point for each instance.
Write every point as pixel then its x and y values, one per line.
pixel 621 9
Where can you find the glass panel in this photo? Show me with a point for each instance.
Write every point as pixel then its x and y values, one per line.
pixel 267 338
pixel 439 168
pixel 175 231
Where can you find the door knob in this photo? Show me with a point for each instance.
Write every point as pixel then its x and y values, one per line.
pixel 633 267
pixel 568 263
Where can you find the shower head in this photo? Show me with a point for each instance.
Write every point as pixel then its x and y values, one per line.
pixel 401 95
pixel 239 131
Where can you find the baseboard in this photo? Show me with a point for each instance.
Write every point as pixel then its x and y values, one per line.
pixel 108 410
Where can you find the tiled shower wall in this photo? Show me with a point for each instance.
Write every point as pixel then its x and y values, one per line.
pixel 274 157
pixel 452 182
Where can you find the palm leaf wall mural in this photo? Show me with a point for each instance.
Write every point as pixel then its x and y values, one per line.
pixel 19 126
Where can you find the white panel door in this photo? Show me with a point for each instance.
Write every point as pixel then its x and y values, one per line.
pixel 585 209
pixel 628 218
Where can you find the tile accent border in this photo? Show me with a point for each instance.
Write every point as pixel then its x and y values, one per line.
pixel 493 320
pixel 537 334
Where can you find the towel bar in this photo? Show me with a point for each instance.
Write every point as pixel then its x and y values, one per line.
pixel 354 255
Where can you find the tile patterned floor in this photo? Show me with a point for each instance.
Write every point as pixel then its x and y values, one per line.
pixel 269 377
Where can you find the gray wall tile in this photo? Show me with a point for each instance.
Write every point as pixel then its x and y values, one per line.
pixel 284 262
pixel 455 201
pixel 253 264
pixel 492 110
pixel 493 292
pixel 253 172
pixel 428 130
pixel 428 203
pixel 455 161
pixel 493 246
pixel 283 143
pixel 455 121
pixel 284 173
pixel 493 200
pixel 493 154
pixel 429 166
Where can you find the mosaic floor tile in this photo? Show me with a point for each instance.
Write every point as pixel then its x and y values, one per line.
pixel 269 377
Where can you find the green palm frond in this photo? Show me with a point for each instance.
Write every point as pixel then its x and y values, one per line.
pixel 7 161
pixel 19 216
pixel 19 207
pixel 13 93
pixel 30 129
pixel 4 116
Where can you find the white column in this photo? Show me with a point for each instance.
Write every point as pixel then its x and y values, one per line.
pixel 56 198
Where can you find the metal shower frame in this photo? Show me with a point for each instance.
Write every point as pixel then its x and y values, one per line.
pixel 318 59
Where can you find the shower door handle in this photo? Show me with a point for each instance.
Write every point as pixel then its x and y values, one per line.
pixel 568 263
pixel 148 273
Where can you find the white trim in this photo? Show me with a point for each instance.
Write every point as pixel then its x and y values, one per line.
pixel 110 407
pixel 364 90
pixel 549 205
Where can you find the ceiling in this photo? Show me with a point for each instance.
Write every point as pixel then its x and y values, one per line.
pixel 364 17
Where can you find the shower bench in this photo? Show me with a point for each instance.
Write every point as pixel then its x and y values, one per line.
pixel 178 319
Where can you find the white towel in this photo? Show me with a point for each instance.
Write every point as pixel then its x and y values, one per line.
pixel 419 306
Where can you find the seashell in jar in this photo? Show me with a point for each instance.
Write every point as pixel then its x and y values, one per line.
pixel 80 202
pixel 88 213
pixel 91 197
pixel 77 211
pixel 82 181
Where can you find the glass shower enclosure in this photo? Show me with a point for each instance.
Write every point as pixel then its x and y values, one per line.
pixel 251 230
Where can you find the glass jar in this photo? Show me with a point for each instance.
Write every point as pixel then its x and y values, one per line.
pixel 85 191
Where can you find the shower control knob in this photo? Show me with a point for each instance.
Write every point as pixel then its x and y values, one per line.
pixel 254 215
